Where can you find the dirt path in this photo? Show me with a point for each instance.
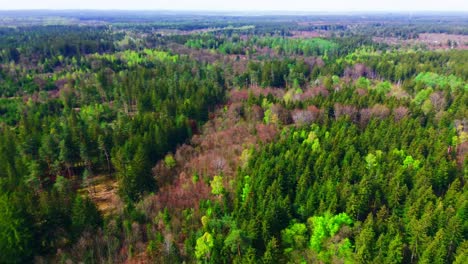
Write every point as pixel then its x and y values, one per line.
pixel 103 191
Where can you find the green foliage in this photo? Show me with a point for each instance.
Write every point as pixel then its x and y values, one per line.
pixel 395 251
pixel 371 161
pixel 410 162
pixel 435 80
pixel 287 46
pixel 360 54
pixel 385 184
pixel 426 107
pixel 245 156
pixel 204 245
pixel 365 241
pixel 313 141
pixel 355 170
pixel 9 111
pixel 383 87
pixel 236 241
pixel 326 226
pixel 169 161
pixel 363 83
pixel 422 95
pixel 245 188
pixel 62 185
pixel 85 216
pixel 272 252
pixel 217 187
pixel 335 79
pixel 462 253
pixel 310 137
pixel 15 234
pixel 134 175
pixel 295 236
pixel 195 178
pixel 134 58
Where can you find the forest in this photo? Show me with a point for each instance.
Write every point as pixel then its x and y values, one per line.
pixel 146 137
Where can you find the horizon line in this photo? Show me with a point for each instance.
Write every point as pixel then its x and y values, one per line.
pixel 240 10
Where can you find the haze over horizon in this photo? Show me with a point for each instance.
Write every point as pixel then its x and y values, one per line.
pixel 241 5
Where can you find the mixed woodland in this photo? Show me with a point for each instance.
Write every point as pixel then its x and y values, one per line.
pixel 274 139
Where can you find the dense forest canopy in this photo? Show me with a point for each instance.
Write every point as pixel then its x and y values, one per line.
pixel 148 137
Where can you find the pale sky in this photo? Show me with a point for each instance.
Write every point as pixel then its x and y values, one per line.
pixel 243 5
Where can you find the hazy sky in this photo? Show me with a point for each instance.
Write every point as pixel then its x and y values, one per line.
pixel 240 5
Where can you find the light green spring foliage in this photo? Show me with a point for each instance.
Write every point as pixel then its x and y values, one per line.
pixel 326 226
pixel 204 245
pixel 422 95
pixel 336 80
pixel 441 81
pixel 195 178
pixel 360 54
pixel 371 161
pixel 288 96
pixel 205 220
pixel 410 162
pixel 383 87
pixel 316 145
pixel 217 186
pixel 194 43
pixel 363 82
pixel 313 141
pixel 267 116
pixel 135 57
pixel 345 249
pixel 306 46
pixel 310 138
pixel 295 236
pixel 270 117
pixel 398 152
pixel 246 188
pixel 427 106
pixel 297 135
pixel 93 112
pixel 245 156
pixel 266 104
pixel 160 55
pixel 291 94
pixel 169 161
